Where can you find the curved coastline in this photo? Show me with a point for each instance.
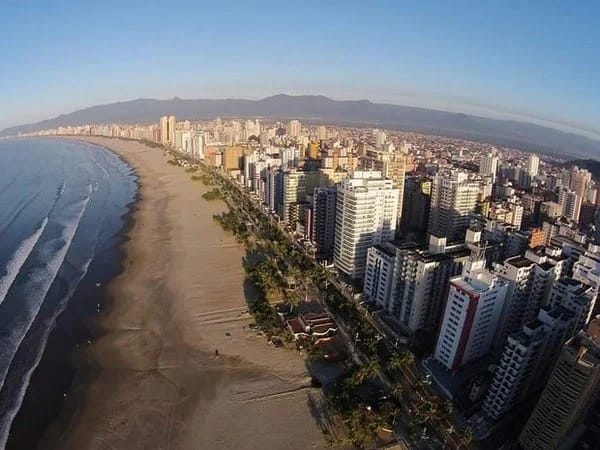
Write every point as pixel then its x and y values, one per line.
pixel 150 379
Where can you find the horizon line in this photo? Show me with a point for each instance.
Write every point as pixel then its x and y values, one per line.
pixel 495 113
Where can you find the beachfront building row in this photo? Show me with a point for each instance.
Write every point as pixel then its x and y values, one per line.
pixel 366 215
pixel 408 280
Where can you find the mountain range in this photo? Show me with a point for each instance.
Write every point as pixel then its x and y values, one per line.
pixel 317 108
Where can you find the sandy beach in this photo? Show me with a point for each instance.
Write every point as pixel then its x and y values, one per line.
pixel 150 380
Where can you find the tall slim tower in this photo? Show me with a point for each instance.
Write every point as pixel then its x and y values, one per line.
pixel 454 198
pixel 570 204
pixel 380 138
pixel 579 181
pixel 366 213
pixel 572 388
pixel 324 211
pixel 171 130
pixel 533 164
pixel 164 130
pixel 489 165
pixel 527 356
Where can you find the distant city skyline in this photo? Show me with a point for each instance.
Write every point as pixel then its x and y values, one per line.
pixel 511 60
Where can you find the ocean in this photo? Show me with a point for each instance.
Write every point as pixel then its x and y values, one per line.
pixel 62 208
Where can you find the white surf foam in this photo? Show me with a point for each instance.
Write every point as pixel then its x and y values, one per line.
pixel 9 416
pixel 36 289
pixel 13 267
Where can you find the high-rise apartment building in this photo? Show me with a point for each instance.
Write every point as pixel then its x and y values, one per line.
pixel 172 125
pixel 164 130
pixel 530 279
pixel 273 193
pixel 454 198
pixel 573 387
pixel 587 267
pixel 296 185
pixel 294 128
pixel 324 211
pixel 233 158
pixel 380 137
pixel 579 181
pixel 525 360
pixel 416 205
pixel 392 165
pixel 471 315
pixel 198 144
pixel 570 204
pixel 533 164
pixel 366 214
pixel 488 165
pixel 410 281
pixel 321 133
pixel 577 297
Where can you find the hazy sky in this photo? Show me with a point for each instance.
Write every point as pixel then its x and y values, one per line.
pixel 534 60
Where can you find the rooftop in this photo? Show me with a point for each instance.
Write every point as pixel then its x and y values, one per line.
pixel 472 286
pixel 519 262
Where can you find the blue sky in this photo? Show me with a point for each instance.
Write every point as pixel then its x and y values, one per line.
pixel 534 60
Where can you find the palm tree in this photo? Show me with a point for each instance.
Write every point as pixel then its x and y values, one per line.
pixel 366 371
pixel 397 389
pixel 291 299
pixel 427 412
pixel 400 361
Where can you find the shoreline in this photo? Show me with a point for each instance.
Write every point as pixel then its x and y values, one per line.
pixel 164 370
pixel 73 327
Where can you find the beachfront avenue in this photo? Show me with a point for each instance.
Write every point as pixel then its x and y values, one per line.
pixel 407 407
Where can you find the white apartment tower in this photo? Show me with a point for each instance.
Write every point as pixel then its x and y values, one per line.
pixel 454 198
pixel 380 138
pixel 575 296
pixel 164 130
pixel 171 130
pixel 530 279
pixel 409 281
pixel 366 213
pixel 579 181
pixel 533 164
pixel 471 316
pixel 392 165
pixel 488 165
pixel 294 128
pixel 380 274
pixel 527 356
pixel 587 268
pixel 570 204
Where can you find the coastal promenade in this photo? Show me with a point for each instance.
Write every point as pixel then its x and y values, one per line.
pixel 150 378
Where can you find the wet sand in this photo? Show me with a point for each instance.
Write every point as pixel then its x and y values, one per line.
pixel 151 380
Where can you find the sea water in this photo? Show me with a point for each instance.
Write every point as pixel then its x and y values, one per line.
pixel 62 205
